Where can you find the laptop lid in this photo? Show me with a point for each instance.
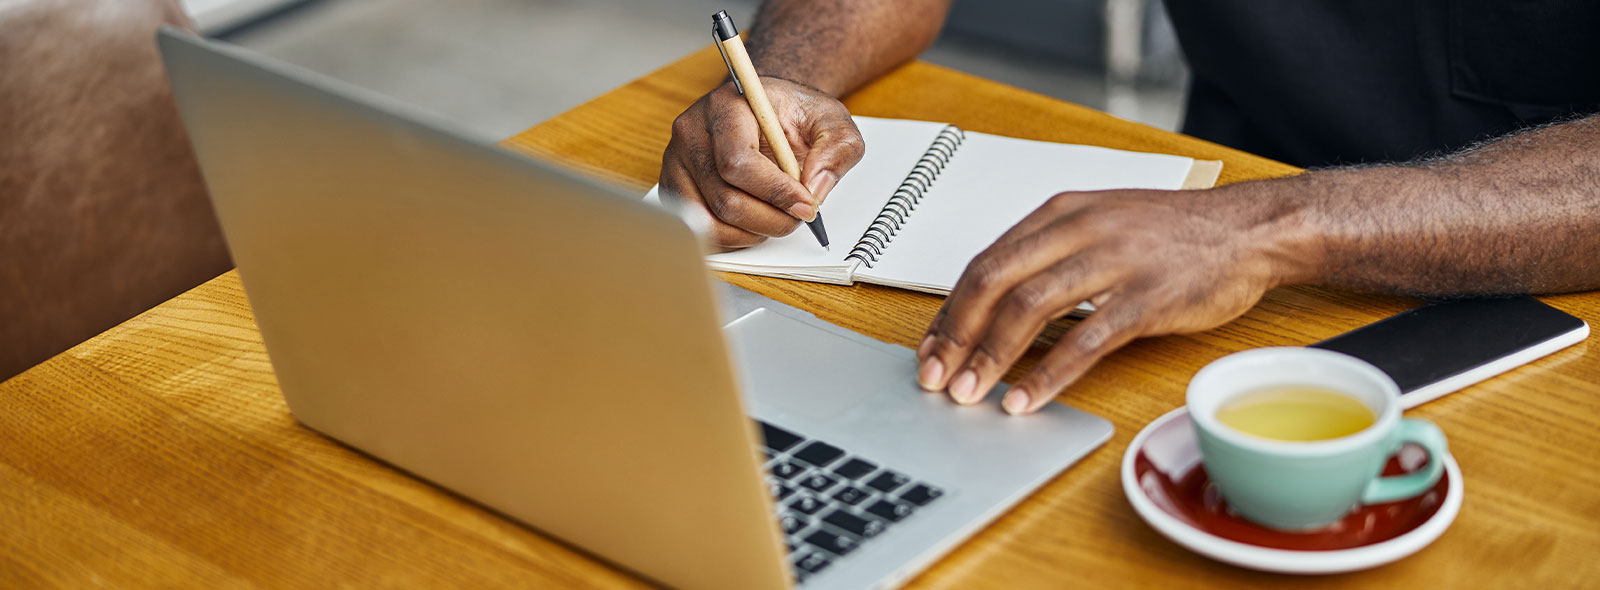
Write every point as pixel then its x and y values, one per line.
pixel 519 334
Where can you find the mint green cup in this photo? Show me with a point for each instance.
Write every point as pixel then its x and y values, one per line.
pixel 1307 485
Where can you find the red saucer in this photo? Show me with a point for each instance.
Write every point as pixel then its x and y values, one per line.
pixel 1189 495
pixel 1168 486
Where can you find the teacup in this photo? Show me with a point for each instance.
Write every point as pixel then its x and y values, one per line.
pixel 1305 485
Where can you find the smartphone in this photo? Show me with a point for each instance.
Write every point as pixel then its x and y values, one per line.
pixel 1445 346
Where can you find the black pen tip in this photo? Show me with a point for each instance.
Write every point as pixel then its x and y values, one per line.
pixel 818 230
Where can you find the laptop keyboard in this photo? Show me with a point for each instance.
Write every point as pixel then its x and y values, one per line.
pixel 830 501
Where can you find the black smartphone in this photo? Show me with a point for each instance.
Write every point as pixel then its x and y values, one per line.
pixel 1447 345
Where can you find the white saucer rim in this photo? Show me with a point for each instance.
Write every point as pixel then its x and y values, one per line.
pixel 1285 560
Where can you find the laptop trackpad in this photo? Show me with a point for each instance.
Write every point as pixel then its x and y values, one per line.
pixel 814 374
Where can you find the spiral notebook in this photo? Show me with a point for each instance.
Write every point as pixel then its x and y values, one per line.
pixel 928 197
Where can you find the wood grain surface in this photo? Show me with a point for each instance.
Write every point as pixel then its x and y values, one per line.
pixel 160 453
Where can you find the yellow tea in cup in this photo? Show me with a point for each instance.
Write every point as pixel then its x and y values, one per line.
pixel 1296 413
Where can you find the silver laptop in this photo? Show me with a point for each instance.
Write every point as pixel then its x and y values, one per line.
pixel 550 347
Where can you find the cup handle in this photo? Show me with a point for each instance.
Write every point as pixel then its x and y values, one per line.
pixel 1400 487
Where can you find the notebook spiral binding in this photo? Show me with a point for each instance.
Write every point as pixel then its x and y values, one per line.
pixel 906 198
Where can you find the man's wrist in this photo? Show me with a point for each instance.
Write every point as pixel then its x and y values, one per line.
pixel 802 71
pixel 797 82
pixel 790 73
pixel 1279 229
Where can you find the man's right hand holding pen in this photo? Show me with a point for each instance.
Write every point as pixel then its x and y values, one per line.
pixel 718 161
pixel 808 53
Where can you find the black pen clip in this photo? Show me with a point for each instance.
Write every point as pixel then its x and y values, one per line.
pixel 715 40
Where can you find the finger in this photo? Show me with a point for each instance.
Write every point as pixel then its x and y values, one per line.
pixel 1084 345
pixel 735 206
pixel 736 151
pixel 968 308
pixel 678 191
pixel 1024 311
pixel 836 147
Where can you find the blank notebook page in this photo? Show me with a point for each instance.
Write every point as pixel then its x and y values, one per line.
pixel 990 185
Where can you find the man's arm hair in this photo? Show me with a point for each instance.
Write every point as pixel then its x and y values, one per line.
pixel 838 45
pixel 1520 214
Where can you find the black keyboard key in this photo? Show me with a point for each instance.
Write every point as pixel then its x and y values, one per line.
pixel 921 494
pixel 813 562
pixel 818 453
pixel 890 511
pixel 818 482
pixel 854 469
pixel 888 481
pixel 793 523
pixel 850 495
pixel 855 525
pixel 779 439
pixel 835 544
pixel 787 469
pixel 806 505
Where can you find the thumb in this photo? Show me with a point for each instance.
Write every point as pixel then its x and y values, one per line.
pixel 836 147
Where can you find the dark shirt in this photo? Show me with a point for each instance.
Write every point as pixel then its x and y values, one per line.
pixel 1323 82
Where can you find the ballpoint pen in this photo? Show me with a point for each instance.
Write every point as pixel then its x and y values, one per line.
pixel 748 83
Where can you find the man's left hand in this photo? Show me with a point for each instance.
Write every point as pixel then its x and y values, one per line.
pixel 1151 262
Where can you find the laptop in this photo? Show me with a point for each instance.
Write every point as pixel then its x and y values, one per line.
pixel 550 347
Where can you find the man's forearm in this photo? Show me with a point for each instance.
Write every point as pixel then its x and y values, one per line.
pixel 838 45
pixel 1520 214
pixel 102 209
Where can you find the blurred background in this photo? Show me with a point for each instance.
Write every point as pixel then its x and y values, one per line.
pixel 499 66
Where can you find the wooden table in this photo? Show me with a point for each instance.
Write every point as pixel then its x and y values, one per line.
pixel 161 453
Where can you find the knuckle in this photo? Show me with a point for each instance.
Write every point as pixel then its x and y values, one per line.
pixel 732 163
pixel 1028 299
pixel 984 356
pixel 1063 200
pixel 725 204
pixel 1092 338
pixel 1047 379
pixel 686 122
pixel 985 271
pixel 1087 339
pixel 953 338
pixel 851 146
pixel 1073 270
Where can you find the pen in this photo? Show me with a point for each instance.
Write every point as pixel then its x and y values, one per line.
pixel 748 83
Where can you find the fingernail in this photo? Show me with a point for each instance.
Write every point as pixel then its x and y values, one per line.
pixel 925 347
pixel 821 185
pixel 1016 401
pixel 803 211
pixel 962 387
pixel 928 377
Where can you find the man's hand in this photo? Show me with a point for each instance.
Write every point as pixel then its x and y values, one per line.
pixel 717 161
pixel 1151 262
pixel 810 52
